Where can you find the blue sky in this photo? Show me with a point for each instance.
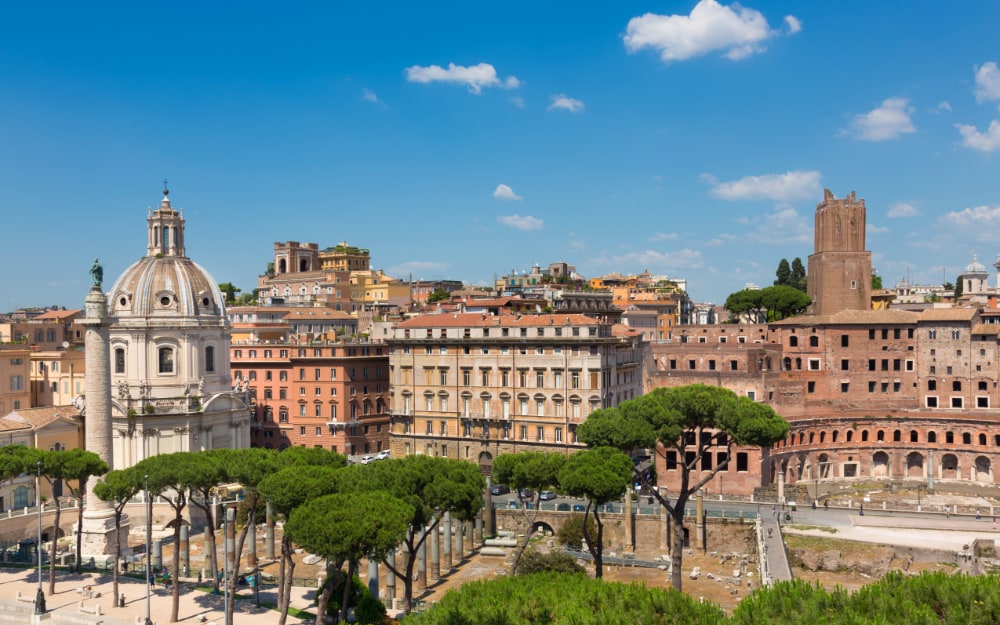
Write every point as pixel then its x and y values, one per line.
pixel 462 140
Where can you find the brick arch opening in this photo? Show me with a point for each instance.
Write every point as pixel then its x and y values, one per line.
pixel 984 469
pixel 949 467
pixel 880 464
pixel 915 465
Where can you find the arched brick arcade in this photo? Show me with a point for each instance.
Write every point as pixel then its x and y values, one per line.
pixel 866 448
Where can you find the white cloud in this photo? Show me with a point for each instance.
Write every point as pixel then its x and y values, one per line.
pixel 975 140
pixel 888 121
pixel 677 259
pixel 563 101
pixel 987 82
pixel 369 96
pixel 782 227
pixel 664 236
pixel 981 223
pixel 873 229
pixel 793 185
pixel 503 192
pixel 517 101
pixel 942 107
pixel 526 222
pixel 474 77
pixel 903 209
pixel 736 31
pixel 577 244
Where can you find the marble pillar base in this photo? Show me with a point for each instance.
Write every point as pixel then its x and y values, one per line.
pixel 100 538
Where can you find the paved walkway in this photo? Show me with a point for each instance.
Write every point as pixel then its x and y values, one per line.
pixel 194 604
pixel 771 549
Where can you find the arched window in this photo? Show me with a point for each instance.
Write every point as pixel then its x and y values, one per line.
pixel 931 437
pixel 793 341
pixel 850 435
pixel 914 436
pixel 166 359
pixel 209 359
pixel 119 360
pixel 864 435
pixel 813 341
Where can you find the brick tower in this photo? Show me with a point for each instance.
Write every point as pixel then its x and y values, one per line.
pixel 840 269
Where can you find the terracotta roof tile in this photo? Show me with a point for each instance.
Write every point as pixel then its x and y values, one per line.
pixel 475 320
pixel 948 314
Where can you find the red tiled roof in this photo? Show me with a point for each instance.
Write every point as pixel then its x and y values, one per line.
pixel 475 320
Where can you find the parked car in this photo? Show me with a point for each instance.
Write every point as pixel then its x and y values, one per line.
pixel 367 459
pixel 563 507
pixel 546 495
pixel 579 507
pixel 382 455
pixel 526 493
pixel 499 489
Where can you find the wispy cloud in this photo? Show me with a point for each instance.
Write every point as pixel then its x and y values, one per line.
pixel 987 141
pixel 517 101
pixel 474 77
pixel 526 222
pixel 891 120
pixel 787 187
pixel 368 95
pixel 664 236
pixel 903 209
pixel 503 192
pixel 981 223
pixel 987 82
pixel 871 228
pixel 563 101
pixel 942 107
pixel 676 260
pixel 736 31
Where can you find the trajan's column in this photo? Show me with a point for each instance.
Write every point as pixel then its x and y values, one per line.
pixel 99 539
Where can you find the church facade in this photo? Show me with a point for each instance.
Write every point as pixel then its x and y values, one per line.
pixel 168 346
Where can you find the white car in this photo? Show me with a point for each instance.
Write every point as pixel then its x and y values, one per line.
pixel 367 459
pixel 382 455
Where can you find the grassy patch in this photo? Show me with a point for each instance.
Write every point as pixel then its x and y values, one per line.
pixel 804 528
pixel 847 548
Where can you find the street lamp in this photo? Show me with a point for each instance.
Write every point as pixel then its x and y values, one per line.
pixel 149 531
pixel 39 596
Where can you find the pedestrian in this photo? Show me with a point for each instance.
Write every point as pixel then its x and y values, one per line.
pixel 774 511
pixel 977 514
pixel 826 505
pixel 121 601
pixel 861 509
pixel 947 512
pixel 994 524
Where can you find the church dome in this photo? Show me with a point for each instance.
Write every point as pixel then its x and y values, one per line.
pixel 165 283
pixel 975 267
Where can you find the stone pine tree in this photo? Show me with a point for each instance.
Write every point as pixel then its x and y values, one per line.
pixel 286 490
pixel 683 424
pixel 531 470
pixel 783 274
pixel 346 527
pixel 431 486
pixel 118 488
pixel 78 466
pixel 600 475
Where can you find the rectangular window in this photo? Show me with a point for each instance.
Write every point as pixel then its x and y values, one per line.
pixel 845 387
pixel 845 364
pixel 844 340
pixel 982 402
pixel 814 364
pixel 466 377
pixel 811 387
pixel 956 402
pixel 443 377
pixel 524 432
pixel 932 401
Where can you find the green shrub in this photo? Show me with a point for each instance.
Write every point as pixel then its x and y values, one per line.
pixel 534 561
pixel 571 533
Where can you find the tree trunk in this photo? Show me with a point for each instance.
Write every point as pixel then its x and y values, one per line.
pixel 240 540
pixel 285 571
pixel 677 552
pixel 79 534
pixel 596 549
pixel 176 587
pixel 118 557
pixel 326 590
pixel 346 596
pixel 52 549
